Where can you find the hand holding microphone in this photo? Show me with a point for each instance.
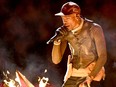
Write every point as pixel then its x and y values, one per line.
pixel 59 34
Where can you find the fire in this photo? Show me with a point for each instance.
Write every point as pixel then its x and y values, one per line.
pixel 22 81
pixel 10 82
pixel 44 81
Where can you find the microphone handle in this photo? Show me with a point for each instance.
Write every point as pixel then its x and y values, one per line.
pixel 55 37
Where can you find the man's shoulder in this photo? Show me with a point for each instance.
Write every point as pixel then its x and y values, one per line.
pixel 91 22
pixel 88 20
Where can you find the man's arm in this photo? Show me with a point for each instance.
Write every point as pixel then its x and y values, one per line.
pixel 58 51
pixel 101 49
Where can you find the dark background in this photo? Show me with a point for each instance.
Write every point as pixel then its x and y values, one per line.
pixel 26 26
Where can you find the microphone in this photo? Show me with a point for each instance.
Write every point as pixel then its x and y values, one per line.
pixel 57 36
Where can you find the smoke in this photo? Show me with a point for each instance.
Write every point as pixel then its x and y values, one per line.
pixel 35 68
pixel 6 64
pixel 110 34
pixel 111 46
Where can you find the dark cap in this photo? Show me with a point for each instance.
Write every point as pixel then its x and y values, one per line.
pixel 69 8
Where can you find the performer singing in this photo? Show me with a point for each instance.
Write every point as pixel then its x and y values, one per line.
pixel 85 65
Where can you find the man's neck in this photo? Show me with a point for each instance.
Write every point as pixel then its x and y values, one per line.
pixel 79 26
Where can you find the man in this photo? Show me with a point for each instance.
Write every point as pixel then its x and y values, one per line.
pixel 87 45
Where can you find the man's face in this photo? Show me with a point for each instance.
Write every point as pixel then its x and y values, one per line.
pixel 70 21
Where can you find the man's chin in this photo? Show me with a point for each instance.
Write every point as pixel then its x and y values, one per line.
pixel 69 29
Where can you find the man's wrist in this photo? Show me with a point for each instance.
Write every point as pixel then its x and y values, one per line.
pixel 57 42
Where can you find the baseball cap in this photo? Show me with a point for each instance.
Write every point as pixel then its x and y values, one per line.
pixel 69 8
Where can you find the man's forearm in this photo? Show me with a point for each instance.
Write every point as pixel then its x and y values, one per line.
pixel 56 53
pixel 98 66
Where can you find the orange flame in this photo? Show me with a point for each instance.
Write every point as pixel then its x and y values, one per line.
pixel 23 81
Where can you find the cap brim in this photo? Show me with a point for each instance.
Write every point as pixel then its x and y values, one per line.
pixel 59 14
